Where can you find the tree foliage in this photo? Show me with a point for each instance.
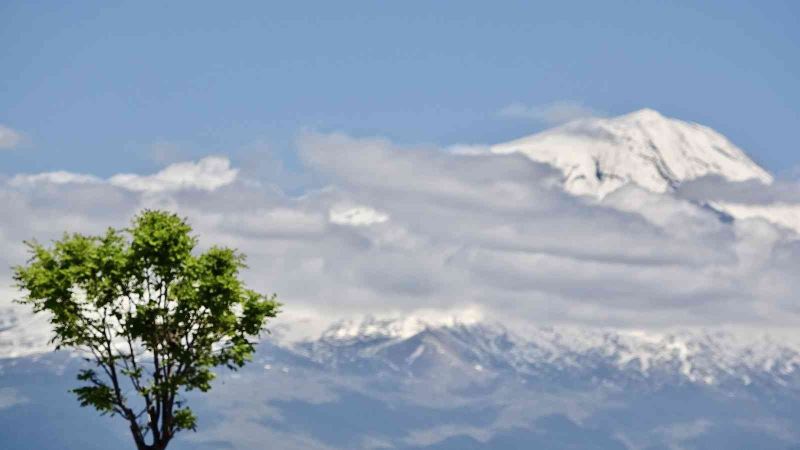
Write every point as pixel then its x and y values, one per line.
pixel 155 317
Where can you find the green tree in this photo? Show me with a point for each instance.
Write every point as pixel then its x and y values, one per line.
pixel 153 317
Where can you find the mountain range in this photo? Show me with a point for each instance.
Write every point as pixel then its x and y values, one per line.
pixel 409 384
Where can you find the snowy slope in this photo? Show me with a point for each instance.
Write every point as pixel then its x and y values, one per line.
pixel 693 356
pixel 786 215
pixel 599 155
pixel 657 153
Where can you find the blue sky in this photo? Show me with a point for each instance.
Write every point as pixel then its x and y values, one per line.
pixel 103 88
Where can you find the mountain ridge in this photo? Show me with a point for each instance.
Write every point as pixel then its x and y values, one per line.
pixel 709 357
pixel 444 384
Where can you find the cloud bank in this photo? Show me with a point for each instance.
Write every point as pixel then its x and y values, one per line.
pixel 397 230
pixel 206 174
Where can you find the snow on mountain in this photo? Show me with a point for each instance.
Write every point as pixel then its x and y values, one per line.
pixel 657 153
pixel 599 155
pixel 447 347
pixel 483 349
pixel 786 215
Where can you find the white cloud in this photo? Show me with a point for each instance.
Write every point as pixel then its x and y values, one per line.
pixel 497 228
pixel 356 216
pixel 9 138
pixel 468 149
pixel 551 114
pixel 57 177
pixel 207 174
pixel 448 232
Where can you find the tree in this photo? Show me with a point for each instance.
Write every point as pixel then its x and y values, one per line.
pixel 153 318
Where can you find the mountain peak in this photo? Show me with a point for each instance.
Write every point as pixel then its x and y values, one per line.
pixel 657 153
pixel 645 114
pixel 368 327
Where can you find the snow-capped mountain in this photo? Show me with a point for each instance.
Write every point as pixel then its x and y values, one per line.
pixel 599 155
pixel 644 148
pixel 414 346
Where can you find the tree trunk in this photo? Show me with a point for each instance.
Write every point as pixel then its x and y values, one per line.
pixel 154 446
pixel 141 445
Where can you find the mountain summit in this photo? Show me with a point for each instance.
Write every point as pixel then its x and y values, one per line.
pixel 598 155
